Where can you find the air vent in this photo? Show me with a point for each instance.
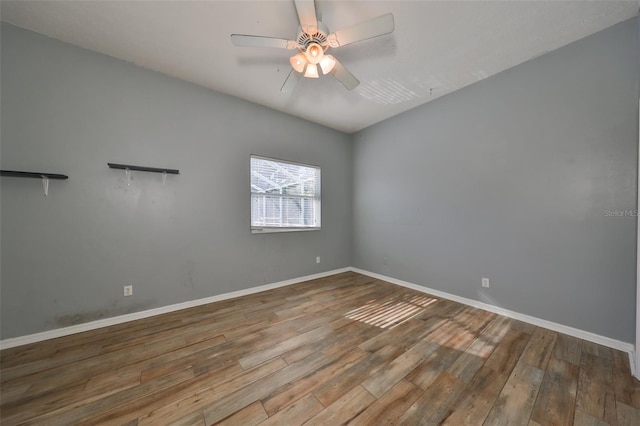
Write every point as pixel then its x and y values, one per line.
pixel 320 38
pixel 304 39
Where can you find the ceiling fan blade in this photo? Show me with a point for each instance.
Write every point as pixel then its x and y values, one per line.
pixel 368 29
pixel 243 40
pixel 348 80
pixel 307 15
pixel 291 81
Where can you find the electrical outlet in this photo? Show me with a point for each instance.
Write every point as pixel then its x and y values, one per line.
pixel 318 259
pixel 485 282
pixel 128 290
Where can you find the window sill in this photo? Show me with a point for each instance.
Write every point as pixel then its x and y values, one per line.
pixel 274 230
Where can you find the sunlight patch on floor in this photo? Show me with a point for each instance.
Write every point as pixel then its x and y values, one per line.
pixel 392 312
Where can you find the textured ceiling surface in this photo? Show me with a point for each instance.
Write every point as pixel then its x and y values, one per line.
pixel 437 46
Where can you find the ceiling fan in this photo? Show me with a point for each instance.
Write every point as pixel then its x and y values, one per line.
pixel 313 42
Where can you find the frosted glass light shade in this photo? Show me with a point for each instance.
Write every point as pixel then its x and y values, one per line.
pixel 298 62
pixel 312 71
pixel 314 53
pixel 327 63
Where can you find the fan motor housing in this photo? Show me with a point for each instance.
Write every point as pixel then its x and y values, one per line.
pixel 320 37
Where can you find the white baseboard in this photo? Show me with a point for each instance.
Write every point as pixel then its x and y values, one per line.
pixel 632 364
pixel 59 332
pixel 581 334
pixel 560 328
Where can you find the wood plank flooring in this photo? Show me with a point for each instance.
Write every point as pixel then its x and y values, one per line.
pixel 346 349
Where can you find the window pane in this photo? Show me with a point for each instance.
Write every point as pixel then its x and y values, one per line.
pixel 284 195
pixel 272 177
pixel 270 210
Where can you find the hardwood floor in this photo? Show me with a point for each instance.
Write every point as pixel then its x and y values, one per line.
pixel 343 349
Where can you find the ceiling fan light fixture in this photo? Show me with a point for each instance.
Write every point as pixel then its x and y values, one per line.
pixel 327 63
pixel 298 62
pixel 312 71
pixel 314 53
pixel 313 41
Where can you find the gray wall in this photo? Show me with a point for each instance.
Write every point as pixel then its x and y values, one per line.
pixel 511 179
pixel 66 257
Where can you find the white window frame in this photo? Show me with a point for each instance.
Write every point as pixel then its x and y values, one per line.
pixel 261 229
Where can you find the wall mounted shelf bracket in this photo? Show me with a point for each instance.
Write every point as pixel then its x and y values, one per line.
pixel 44 176
pixel 128 167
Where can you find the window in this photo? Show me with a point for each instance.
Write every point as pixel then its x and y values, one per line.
pixel 284 196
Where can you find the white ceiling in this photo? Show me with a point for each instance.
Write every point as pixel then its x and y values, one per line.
pixel 437 46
